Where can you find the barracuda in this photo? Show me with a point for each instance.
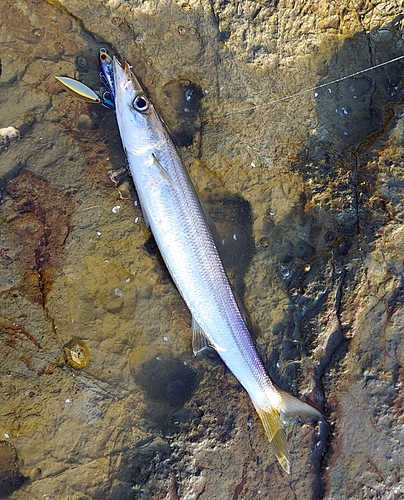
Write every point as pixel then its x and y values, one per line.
pixel 179 226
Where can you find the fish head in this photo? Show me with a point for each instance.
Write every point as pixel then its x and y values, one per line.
pixel 139 124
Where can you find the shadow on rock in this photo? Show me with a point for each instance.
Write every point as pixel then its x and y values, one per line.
pixel 164 378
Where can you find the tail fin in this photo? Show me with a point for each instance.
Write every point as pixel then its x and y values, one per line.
pixel 286 409
pixel 275 432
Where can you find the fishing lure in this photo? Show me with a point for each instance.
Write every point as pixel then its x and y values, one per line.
pixel 107 72
pixel 79 89
pixel 84 92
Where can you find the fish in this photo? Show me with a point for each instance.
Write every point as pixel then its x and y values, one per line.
pixel 182 231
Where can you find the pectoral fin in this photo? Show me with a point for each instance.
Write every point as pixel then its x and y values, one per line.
pixel 162 171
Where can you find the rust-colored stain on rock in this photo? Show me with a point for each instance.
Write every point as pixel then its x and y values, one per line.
pixel 37 227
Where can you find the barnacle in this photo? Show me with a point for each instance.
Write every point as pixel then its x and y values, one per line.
pixel 76 353
pixel 10 477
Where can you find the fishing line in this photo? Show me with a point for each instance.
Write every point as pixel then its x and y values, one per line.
pixel 312 89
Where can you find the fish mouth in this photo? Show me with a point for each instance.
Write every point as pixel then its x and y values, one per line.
pixel 124 76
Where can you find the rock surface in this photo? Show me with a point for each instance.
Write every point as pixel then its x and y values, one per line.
pixel 306 189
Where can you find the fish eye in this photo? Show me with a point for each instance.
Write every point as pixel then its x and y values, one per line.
pixel 140 103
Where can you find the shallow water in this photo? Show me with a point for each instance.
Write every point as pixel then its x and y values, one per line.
pixel 306 196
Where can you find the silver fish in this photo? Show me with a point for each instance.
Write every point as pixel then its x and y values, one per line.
pixel 179 225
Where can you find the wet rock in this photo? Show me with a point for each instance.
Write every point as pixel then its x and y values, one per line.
pixel 232 231
pixel 285 253
pixel 289 349
pixel 112 299
pixel 316 176
pixel 185 99
pixel 304 250
pixel 357 100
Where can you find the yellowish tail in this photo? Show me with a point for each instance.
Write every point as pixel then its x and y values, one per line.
pixel 286 409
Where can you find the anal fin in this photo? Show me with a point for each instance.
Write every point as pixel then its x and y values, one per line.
pixel 199 339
